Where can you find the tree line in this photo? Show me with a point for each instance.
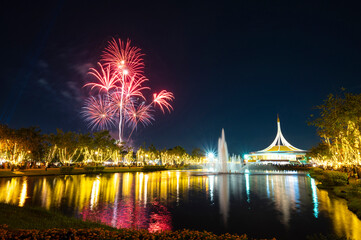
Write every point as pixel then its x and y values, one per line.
pixel 29 145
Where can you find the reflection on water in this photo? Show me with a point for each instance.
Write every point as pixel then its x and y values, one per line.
pixel 223 197
pixel 314 198
pixel 284 205
pixel 344 223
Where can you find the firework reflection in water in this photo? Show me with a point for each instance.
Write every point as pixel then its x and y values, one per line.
pixel 125 214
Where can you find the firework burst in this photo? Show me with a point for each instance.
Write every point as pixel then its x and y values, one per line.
pixel 162 99
pixel 107 80
pixel 97 113
pixel 121 84
pixel 139 114
pixel 123 58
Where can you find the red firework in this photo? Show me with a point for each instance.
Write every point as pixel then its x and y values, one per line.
pixel 133 87
pixel 162 99
pixel 107 80
pixel 122 57
pixel 139 114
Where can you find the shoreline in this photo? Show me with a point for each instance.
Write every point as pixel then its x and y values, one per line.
pixel 7 173
pixel 351 192
pixel 56 172
pixel 76 171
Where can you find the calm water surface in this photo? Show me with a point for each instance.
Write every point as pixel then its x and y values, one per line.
pixel 286 205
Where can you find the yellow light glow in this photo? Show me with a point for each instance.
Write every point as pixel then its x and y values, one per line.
pixel 23 193
pixel 95 193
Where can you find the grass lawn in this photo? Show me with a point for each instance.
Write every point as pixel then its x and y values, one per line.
pixel 37 218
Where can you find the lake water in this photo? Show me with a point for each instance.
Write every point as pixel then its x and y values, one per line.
pixel 285 205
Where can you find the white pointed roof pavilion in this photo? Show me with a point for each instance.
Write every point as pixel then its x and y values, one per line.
pixel 280 144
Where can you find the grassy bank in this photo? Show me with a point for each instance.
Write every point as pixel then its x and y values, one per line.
pixel 56 171
pixel 36 223
pixel 339 184
pixel 37 218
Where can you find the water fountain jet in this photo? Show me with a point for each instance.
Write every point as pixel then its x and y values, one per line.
pixel 222 154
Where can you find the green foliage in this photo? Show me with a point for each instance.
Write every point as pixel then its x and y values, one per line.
pixel 38 218
pixel 197 152
pixel 329 178
pixel 66 169
pixel 354 204
pixel 153 168
pixel 21 144
pixel 355 189
pixel 321 149
pixel 177 150
pixel 317 170
pixel 351 192
pixel 94 168
pixel 192 167
pixel 339 126
pixel 334 178
pixel 99 168
pixel 89 168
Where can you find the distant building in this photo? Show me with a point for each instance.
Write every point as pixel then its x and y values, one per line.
pixel 280 151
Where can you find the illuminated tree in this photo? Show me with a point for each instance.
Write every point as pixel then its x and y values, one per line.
pixel 339 126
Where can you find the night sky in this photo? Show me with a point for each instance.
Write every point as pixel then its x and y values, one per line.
pixel 231 65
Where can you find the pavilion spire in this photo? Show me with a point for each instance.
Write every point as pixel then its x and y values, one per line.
pixel 280 143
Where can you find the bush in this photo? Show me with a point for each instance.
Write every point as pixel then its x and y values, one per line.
pixel 94 169
pixel 99 233
pixel 153 168
pixel 190 167
pixel 355 189
pixel 66 169
pixel 89 168
pixel 355 206
pixel 317 171
pixel 334 178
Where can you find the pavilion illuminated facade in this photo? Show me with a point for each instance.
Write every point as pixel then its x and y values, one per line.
pixel 280 151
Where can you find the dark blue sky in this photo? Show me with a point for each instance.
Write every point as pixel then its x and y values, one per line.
pixel 231 65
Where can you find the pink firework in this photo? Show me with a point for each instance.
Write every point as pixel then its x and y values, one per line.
pixel 107 80
pixel 162 99
pixel 122 84
pixel 134 88
pixel 139 114
pixel 123 58
pixel 98 113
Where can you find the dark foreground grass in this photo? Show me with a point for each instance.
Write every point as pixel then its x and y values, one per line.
pixel 36 223
pixel 37 218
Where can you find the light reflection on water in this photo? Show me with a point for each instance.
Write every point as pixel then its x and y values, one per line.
pixel 261 205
